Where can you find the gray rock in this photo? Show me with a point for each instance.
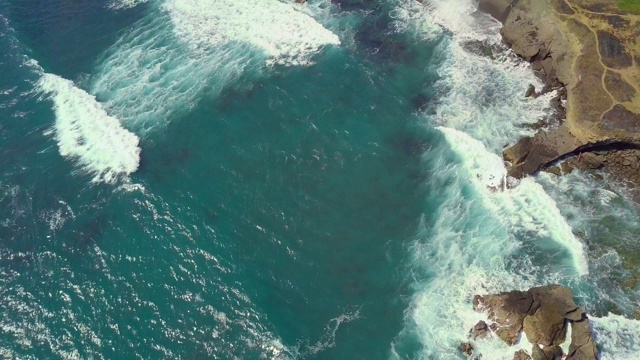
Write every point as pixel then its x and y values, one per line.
pixel 531 91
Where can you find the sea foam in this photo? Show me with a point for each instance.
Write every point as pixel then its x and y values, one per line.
pixel 185 49
pixel 287 35
pixel 85 132
pixel 618 338
pixel 486 236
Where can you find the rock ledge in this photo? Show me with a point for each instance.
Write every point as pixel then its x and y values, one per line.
pixel 543 314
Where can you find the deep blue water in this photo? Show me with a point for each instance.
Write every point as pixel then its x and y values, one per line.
pixel 293 196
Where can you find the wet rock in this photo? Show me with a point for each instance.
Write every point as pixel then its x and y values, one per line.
pixel 588 161
pixel 521 355
pixel 543 313
pixel 507 310
pixel 531 91
pixel 466 348
pixel 546 353
pixel 480 330
pixel 481 48
pixel 554 170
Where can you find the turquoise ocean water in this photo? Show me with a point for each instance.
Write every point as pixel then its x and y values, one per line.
pixel 236 179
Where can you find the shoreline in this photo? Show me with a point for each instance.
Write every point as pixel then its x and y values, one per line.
pixel 590 57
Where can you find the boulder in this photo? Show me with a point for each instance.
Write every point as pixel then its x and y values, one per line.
pixel 531 91
pixel 546 353
pixel 507 311
pixel 548 324
pixel 466 348
pixel 480 330
pixel 582 345
pixel 521 355
pixel 543 313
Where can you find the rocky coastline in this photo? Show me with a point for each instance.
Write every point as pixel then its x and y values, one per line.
pixel 544 314
pixel 588 51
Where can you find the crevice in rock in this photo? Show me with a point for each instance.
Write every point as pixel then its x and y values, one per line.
pixel 597 147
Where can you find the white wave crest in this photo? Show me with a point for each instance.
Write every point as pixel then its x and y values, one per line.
pixel 483 90
pixel 190 47
pixel 125 4
pixel 525 208
pixel 86 133
pixel 286 34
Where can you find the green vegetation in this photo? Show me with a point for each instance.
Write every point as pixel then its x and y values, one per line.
pixel 632 6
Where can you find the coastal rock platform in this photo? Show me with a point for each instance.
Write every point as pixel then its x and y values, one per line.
pixel 589 52
pixel 543 314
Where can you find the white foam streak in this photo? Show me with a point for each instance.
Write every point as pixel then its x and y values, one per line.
pixel 617 337
pixel 482 242
pixel 86 133
pixel 285 33
pixel 125 4
pixel 190 47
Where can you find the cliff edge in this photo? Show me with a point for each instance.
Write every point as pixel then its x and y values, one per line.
pixel 588 51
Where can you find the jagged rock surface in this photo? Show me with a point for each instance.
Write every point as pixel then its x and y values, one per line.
pixel 543 314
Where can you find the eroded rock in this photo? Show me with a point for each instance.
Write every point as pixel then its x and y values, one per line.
pixel 582 345
pixel 507 311
pixel 543 314
pixel 521 355
pixel 480 330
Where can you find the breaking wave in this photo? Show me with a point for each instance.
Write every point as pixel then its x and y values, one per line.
pixel 185 48
pixel 85 132
pixel 488 234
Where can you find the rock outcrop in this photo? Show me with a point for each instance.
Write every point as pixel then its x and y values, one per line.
pixel 543 314
pixel 589 54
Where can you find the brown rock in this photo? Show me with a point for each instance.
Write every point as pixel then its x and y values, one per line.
pixel 499 9
pixel 547 327
pixel 546 353
pixel 582 345
pixel 532 154
pixel 542 312
pixel 521 355
pixel 480 330
pixel 466 348
pixel 507 310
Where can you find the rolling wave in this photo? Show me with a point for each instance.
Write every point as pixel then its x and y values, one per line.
pixel 86 133
pixel 186 48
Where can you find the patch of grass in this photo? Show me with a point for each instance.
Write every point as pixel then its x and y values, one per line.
pixel 632 6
